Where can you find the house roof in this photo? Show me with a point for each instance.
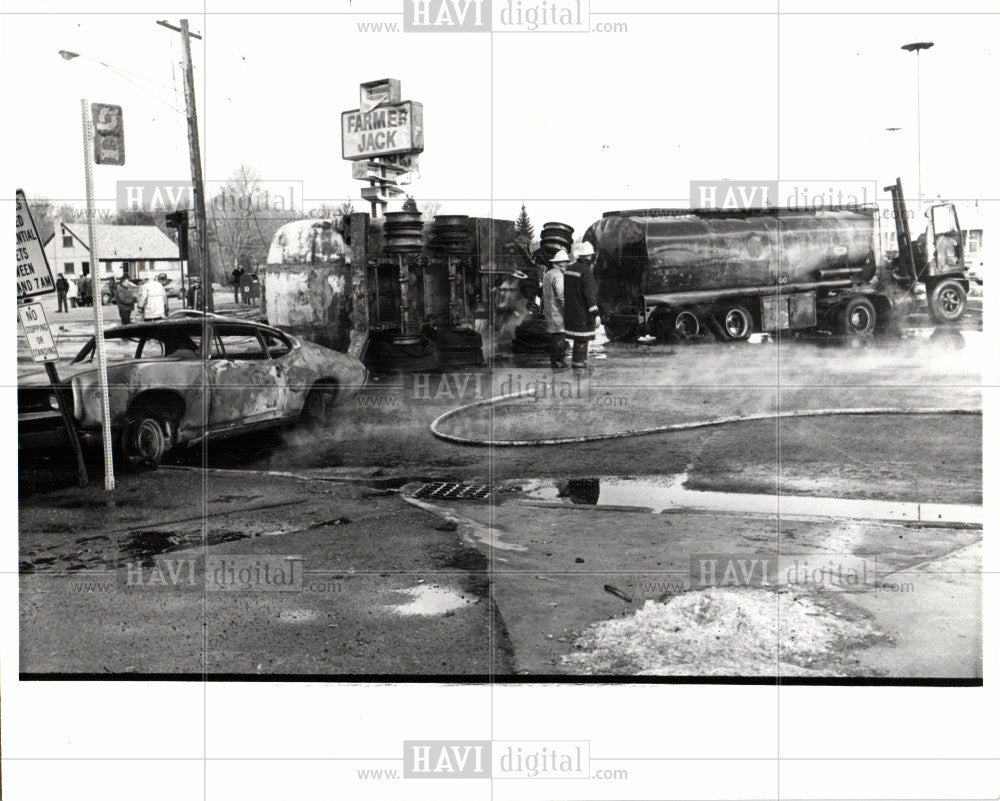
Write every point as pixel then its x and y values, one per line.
pixel 145 242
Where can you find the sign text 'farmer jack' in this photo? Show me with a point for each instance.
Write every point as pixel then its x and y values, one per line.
pixel 396 128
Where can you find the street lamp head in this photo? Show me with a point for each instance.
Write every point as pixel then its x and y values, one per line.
pixel 917 46
pixel 69 55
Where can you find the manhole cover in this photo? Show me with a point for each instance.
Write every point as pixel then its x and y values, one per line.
pixel 441 490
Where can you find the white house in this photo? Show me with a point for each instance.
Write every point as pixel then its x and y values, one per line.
pixel 132 250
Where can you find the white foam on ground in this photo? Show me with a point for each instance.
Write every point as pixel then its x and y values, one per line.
pixel 430 599
pixel 723 632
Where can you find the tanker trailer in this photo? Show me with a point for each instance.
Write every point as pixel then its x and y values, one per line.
pixel 676 274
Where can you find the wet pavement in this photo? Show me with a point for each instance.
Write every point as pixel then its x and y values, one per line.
pixel 551 548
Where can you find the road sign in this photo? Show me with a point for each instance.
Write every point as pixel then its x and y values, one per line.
pixel 34 277
pixel 37 332
pixel 385 130
pixel 381 194
pixel 375 93
pixel 109 134
pixel 43 349
pixel 401 169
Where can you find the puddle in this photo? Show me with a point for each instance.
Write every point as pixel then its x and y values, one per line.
pixel 658 494
pixel 144 546
pixel 429 600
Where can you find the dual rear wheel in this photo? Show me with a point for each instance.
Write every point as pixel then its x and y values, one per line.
pixel 734 323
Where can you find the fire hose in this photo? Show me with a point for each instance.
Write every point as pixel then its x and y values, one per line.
pixel 685 426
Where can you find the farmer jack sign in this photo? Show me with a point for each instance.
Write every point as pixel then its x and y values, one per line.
pixel 388 129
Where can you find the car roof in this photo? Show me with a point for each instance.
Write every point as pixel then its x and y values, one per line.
pixel 188 323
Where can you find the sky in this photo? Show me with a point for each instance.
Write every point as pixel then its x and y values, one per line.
pixel 573 124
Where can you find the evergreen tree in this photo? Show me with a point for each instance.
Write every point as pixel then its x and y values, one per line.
pixel 523 229
pixel 410 204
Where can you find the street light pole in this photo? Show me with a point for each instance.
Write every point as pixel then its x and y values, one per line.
pixel 916 47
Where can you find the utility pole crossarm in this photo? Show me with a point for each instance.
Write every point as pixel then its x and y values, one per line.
pixel 166 24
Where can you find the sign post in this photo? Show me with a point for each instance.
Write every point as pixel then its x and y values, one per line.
pixel 34 278
pixel 107 119
pixel 382 138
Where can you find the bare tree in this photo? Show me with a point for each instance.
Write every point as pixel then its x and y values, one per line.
pixel 46 214
pixel 243 219
pixel 430 210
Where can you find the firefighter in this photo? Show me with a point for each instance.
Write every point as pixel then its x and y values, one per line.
pixel 553 302
pixel 581 303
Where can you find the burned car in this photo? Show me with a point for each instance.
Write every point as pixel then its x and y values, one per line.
pixel 181 380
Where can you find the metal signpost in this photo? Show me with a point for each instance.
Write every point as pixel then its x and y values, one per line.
pixel 34 278
pixel 103 136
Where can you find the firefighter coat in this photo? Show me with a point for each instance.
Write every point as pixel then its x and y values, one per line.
pixel 581 301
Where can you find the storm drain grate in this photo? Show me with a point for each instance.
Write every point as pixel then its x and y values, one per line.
pixel 441 490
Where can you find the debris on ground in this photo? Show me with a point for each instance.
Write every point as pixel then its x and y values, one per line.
pixel 615 591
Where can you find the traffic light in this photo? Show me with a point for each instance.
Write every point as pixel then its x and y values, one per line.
pixel 179 220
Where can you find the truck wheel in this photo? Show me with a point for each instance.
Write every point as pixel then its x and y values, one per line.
pixel 621 329
pixel 947 302
pixel 685 325
pixel 678 325
pixel 856 317
pixel 737 323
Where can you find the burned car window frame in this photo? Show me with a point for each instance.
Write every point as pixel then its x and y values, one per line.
pixel 141 334
pixel 235 329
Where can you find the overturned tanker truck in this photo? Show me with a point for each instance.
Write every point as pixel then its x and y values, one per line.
pixel 679 274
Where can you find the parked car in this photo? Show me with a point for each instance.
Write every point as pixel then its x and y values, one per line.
pixel 257 377
pixel 171 286
pixel 85 294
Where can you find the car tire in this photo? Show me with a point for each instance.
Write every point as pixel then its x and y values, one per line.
pixel 144 439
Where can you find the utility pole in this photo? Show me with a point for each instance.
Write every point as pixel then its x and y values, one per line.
pixel 194 148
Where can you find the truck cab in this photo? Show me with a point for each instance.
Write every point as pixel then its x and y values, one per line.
pixel 935 261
